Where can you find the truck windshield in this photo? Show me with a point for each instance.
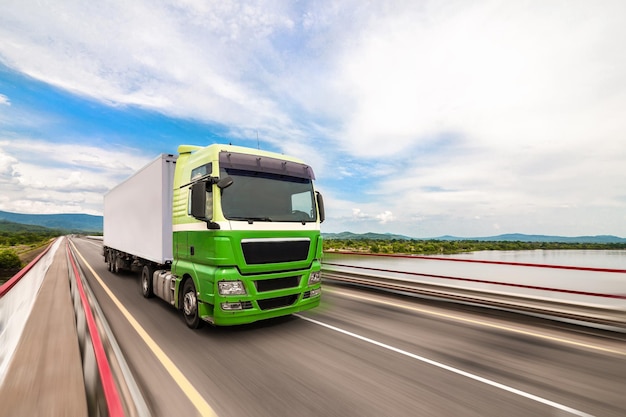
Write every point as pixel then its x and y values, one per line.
pixel 261 196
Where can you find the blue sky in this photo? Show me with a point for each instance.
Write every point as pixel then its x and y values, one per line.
pixel 423 118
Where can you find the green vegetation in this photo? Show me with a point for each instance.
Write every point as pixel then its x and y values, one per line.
pixel 17 240
pixel 12 227
pixel 26 238
pixel 16 234
pixel 9 259
pixel 440 247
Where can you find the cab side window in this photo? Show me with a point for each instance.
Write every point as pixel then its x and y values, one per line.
pixel 196 173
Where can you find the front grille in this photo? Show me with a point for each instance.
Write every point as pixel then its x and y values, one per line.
pixel 265 251
pixel 271 303
pixel 277 283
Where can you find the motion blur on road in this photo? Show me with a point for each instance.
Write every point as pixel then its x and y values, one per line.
pixel 362 353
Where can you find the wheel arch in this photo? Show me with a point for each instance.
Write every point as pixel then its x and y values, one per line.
pixel 179 295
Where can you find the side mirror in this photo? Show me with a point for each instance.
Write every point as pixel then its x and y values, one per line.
pixel 225 183
pixel 320 206
pixel 198 201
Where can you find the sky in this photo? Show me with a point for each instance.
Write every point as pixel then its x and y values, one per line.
pixel 420 118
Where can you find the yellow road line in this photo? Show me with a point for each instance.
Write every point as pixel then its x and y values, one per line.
pixel 479 322
pixel 194 396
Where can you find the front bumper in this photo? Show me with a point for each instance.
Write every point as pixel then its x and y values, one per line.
pixel 267 296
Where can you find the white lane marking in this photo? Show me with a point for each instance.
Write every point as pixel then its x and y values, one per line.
pixel 451 369
pixel 478 322
pixel 99 245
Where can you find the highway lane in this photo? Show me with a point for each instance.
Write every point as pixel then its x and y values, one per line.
pixel 382 356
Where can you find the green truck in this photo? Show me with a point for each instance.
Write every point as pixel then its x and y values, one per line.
pixel 228 235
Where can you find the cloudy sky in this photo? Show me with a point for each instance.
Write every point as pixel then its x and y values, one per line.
pixel 423 118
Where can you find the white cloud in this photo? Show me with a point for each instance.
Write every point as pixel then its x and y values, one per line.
pixel 385 217
pixel 122 162
pixel 183 59
pixel 43 177
pixel 392 73
pixel 7 162
pixel 435 114
pixel 382 218
pixel 532 102
pixel 500 74
pixel 358 214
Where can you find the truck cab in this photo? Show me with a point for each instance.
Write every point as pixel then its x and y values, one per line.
pixel 246 235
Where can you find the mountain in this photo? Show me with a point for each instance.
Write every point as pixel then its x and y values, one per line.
pixel 511 237
pixel 11 227
pixel 369 236
pixel 519 237
pixel 70 222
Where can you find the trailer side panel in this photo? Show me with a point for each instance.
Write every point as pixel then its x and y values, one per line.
pixel 138 212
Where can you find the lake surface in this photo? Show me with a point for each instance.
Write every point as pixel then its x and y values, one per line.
pixel 516 277
pixel 611 259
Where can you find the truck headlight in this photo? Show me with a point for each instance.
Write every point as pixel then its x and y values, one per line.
pixel 231 306
pixel 231 288
pixel 315 278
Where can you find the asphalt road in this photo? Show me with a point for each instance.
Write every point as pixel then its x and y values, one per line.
pixel 362 354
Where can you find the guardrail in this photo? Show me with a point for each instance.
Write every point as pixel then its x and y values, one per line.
pixel 466 283
pixel 110 386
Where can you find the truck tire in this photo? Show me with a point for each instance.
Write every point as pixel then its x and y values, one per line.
pixel 190 305
pixel 146 281
pixel 112 262
pixel 116 267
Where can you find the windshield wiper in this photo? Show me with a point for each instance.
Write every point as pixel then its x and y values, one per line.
pixel 251 220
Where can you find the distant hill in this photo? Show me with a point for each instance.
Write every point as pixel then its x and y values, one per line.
pixel 511 237
pixel 518 237
pixel 11 227
pixel 70 222
pixel 370 236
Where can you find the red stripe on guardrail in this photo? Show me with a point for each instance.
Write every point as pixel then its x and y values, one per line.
pixel 17 277
pixel 480 281
pixel 114 404
pixel 480 261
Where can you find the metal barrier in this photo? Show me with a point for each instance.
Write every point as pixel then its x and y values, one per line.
pixel 109 385
pixel 417 276
pixel 111 389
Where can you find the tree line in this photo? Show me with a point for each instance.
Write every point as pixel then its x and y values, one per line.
pixel 11 241
pixel 27 238
pixel 444 247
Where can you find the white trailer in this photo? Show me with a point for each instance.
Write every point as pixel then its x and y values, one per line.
pixel 138 217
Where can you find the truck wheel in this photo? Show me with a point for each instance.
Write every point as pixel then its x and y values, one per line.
pixel 146 281
pixel 116 265
pixel 112 262
pixel 190 305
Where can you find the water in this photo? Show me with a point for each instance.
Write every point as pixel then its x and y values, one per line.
pixel 610 259
pixel 538 281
